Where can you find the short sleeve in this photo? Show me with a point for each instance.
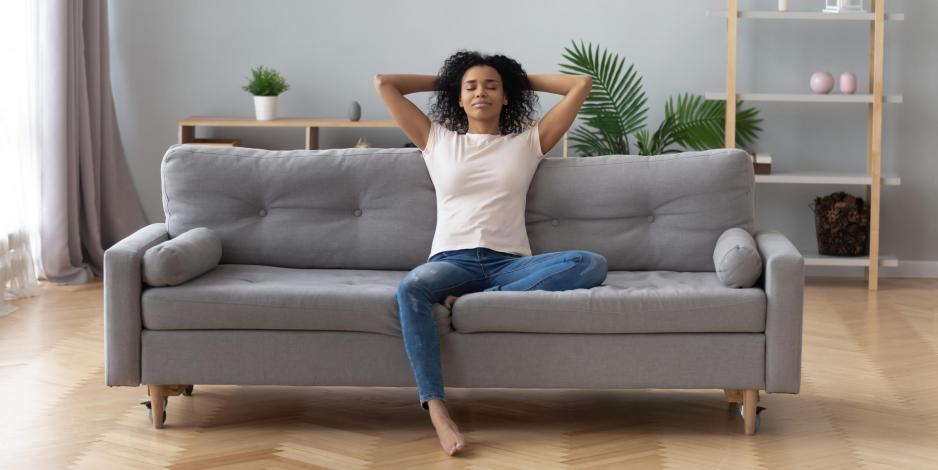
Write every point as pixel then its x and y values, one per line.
pixel 432 137
pixel 534 141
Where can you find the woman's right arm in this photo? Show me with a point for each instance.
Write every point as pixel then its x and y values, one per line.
pixel 411 120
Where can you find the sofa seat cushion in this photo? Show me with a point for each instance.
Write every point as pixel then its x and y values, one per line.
pixel 627 302
pixel 251 297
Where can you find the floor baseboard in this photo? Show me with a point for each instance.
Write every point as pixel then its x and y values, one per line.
pixel 924 269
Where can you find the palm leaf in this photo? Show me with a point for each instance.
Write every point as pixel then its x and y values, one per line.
pixel 661 141
pixel 616 105
pixel 617 108
pixel 700 124
pixel 598 143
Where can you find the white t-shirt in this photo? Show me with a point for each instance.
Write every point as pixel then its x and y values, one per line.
pixel 481 183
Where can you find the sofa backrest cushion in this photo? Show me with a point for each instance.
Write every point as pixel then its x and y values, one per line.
pixel 376 208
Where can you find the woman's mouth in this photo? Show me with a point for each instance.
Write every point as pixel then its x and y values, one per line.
pixel 480 105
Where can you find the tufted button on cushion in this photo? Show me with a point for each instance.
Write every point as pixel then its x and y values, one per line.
pixel 651 218
pixel 555 222
pixel 357 212
pixel 262 212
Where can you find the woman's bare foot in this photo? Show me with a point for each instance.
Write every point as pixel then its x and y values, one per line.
pixel 450 300
pixel 450 438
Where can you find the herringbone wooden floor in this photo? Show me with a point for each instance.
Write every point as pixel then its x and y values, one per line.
pixel 870 383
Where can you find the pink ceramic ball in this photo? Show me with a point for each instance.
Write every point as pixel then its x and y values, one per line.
pixel 822 82
pixel 848 83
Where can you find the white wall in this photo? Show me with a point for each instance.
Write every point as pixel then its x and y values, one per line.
pixel 176 58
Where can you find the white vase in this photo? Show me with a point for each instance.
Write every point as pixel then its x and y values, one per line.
pixel 782 5
pixel 265 108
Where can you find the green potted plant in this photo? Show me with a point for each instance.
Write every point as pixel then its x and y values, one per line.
pixel 265 84
pixel 613 115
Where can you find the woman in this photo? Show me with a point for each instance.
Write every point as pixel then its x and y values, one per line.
pixel 481 152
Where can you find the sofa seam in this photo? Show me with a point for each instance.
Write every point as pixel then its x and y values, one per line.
pixel 241 303
pixel 689 157
pixel 357 310
pixel 641 311
pixel 396 152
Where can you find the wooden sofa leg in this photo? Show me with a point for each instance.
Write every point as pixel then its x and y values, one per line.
pixel 750 400
pixel 159 393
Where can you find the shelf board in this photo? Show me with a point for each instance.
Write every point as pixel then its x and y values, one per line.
pixel 245 121
pixel 812 258
pixel 803 97
pixel 805 15
pixel 826 178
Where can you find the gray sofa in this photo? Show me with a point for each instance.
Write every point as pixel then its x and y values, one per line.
pixel 316 242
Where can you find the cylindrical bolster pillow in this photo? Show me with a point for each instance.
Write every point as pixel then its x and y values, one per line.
pixel 177 260
pixel 736 258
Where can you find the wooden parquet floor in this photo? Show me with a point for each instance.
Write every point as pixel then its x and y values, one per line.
pixel 868 400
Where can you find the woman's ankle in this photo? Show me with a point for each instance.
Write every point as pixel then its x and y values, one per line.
pixel 436 405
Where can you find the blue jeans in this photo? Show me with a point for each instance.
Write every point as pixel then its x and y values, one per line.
pixel 459 272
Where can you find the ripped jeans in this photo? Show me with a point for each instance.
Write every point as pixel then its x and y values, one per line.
pixel 459 272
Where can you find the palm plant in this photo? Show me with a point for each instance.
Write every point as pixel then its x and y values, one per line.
pixel 615 111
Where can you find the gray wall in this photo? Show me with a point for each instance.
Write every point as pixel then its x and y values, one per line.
pixel 172 59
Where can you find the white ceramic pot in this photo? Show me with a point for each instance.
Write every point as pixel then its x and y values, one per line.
pixel 265 108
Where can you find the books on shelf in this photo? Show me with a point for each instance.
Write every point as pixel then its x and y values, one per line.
pixel 761 163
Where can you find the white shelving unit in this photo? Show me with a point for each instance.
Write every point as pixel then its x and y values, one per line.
pixel 873 99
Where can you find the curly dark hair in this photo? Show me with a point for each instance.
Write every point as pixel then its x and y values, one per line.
pixel 519 113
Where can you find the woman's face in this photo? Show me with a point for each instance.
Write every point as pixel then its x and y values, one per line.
pixel 482 94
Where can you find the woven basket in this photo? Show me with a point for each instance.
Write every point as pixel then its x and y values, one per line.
pixel 842 223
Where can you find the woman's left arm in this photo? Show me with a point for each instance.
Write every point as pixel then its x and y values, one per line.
pixel 558 120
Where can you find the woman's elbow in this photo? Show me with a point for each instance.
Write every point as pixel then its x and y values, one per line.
pixel 586 81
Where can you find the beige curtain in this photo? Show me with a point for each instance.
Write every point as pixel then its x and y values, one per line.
pixel 88 198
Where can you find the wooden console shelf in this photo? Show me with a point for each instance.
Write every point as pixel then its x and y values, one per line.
pixel 312 125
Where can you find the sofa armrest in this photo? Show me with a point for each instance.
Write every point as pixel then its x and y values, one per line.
pixel 783 281
pixel 123 284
